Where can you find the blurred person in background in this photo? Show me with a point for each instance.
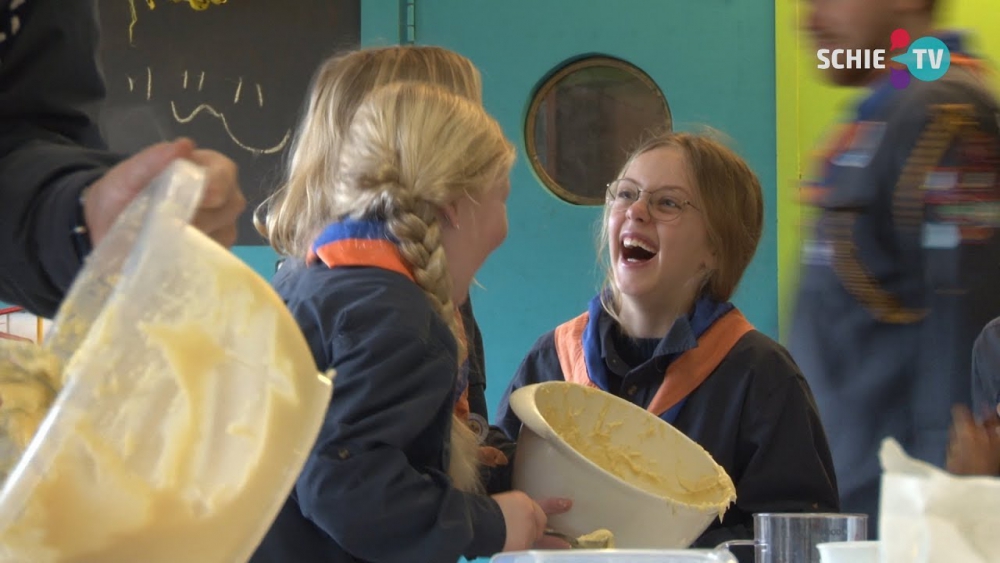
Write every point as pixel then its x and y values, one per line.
pixel 60 188
pixel 902 269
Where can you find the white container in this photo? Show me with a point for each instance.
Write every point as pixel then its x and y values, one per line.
pixel 616 556
pixel 849 552
pixel 567 426
pixel 190 401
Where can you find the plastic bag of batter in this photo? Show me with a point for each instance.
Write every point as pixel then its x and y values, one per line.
pixel 185 407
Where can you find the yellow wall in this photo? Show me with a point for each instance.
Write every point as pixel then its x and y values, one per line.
pixel 806 107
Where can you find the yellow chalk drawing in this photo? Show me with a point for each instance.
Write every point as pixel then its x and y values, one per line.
pixel 260 96
pixel 221 117
pixel 239 87
pixel 201 80
pixel 196 4
pixel 135 18
pixel 149 83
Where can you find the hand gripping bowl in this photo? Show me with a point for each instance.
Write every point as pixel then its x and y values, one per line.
pixel 626 470
pixel 189 401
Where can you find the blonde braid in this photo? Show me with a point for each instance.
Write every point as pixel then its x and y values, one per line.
pixel 415 225
pixel 411 150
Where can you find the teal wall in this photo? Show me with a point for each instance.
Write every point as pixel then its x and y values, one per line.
pixel 714 61
pixel 546 272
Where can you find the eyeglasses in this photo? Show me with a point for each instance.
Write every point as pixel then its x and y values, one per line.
pixel 663 204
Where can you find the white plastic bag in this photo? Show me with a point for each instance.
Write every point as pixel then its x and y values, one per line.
pixel 928 515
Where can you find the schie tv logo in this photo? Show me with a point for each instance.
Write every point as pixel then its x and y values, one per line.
pixel 927 59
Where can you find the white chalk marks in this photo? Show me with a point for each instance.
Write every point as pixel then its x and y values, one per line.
pixel 186 81
pixel 222 117
pixel 218 85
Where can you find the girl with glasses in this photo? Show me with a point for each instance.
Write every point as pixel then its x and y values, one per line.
pixel 680 226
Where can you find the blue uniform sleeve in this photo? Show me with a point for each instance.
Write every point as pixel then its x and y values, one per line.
pixel 359 485
pixel 986 369
pixel 50 148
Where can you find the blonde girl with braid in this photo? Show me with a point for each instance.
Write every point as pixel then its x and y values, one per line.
pixel 291 217
pixel 415 208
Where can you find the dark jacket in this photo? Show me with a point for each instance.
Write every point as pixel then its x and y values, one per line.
pixel 986 369
pixel 901 272
pixel 375 487
pixel 754 414
pixel 50 148
pixel 477 362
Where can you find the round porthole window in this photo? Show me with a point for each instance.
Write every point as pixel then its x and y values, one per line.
pixel 582 121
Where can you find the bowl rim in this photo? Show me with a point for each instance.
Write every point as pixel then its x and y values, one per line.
pixel 525 408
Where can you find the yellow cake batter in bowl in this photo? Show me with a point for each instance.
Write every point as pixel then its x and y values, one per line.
pixel 627 471
pixel 174 407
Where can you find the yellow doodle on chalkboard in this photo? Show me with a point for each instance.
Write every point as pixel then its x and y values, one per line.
pixel 196 4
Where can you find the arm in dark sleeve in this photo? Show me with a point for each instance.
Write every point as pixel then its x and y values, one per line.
pixel 477 362
pixel 786 461
pixel 50 86
pixel 986 369
pixel 783 460
pixel 359 486
pixel 541 364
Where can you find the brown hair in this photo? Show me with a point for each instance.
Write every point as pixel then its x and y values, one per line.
pixel 731 201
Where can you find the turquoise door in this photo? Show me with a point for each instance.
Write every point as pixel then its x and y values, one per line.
pixel 714 62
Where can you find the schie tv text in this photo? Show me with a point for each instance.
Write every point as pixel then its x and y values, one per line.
pixel 872 58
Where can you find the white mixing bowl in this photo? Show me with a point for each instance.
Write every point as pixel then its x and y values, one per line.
pixel 626 470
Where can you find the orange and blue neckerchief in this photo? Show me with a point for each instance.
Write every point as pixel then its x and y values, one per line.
pixel 368 243
pixel 717 327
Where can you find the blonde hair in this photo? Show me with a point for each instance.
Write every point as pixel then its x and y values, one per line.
pixel 732 204
pixel 301 206
pixel 410 150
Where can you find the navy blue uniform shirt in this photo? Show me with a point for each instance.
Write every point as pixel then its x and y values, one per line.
pixel 754 414
pixel 375 487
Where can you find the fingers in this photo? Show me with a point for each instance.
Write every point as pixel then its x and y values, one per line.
pixel 492 457
pixel 137 172
pixel 991 420
pixel 962 415
pixel 552 542
pixel 110 195
pixel 545 508
pixel 222 174
pixel 223 201
pixel 973 448
pixel 541 521
pixel 553 506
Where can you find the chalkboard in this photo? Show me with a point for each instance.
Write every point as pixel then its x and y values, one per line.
pixel 233 77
